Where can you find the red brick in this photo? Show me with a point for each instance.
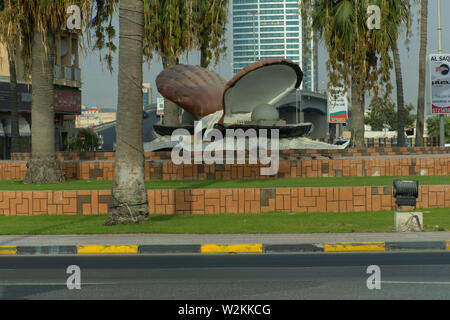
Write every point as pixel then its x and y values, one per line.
pixel 321 204
pixel 376 203
pixel 359 191
pixel 386 201
pixel 255 207
pixel 342 206
pixel 359 200
pixel 332 206
pixel 52 210
pixel 345 194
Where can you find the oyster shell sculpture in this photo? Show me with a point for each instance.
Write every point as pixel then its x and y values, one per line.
pixel 195 89
pixel 247 101
pixel 260 84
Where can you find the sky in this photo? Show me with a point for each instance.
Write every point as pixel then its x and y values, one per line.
pixel 100 86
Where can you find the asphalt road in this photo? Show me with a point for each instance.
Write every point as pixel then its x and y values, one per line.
pixel 236 277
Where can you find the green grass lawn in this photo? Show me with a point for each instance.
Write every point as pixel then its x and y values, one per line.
pixel 14 185
pixel 264 223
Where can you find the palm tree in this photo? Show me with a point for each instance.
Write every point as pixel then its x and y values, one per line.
pixel 403 14
pixel 401 139
pixel 129 192
pixel 358 57
pixel 45 20
pixel 15 134
pixel 210 18
pixel 101 24
pixel 40 22
pixel 422 73
pixel 43 166
pixel 8 36
pixel 169 31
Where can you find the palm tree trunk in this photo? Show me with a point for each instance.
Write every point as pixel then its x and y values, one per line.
pixel 400 98
pixel 15 134
pixel 357 114
pixel 129 193
pixel 43 166
pixel 204 59
pixel 171 110
pixel 422 74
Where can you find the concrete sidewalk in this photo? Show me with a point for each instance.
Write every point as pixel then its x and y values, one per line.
pixel 236 243
pixel 183 239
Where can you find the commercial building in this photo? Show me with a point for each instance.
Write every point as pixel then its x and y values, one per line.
pixel 306 106
pixel 67 100
pixel 146 94
pixel 265 29
pixel 94 116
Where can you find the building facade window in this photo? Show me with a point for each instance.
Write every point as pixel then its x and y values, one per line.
pixel 266 29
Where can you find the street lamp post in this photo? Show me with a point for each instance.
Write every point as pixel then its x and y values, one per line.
pixel 441 116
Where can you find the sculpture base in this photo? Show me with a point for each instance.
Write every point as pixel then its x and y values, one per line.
pixel 408 221
pixel 285 132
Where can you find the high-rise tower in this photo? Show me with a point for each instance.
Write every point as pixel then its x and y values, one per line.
pixel 265 29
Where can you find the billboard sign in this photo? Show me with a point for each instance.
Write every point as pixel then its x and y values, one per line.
pixel 440 83
pixel 338 107
pixel 65 100
pixel 160 107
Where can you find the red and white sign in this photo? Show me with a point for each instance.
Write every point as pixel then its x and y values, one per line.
pixel 160 107
pixel 440 83
pixel 67 101
pixel 338 107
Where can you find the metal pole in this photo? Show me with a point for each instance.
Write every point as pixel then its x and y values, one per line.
pixel 439 27
pixel 442 116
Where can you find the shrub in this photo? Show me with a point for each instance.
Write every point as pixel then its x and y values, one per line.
pixel 91 141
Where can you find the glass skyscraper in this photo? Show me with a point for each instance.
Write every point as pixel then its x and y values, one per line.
pixel 266 29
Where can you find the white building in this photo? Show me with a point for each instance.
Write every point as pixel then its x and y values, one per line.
pixel 265 29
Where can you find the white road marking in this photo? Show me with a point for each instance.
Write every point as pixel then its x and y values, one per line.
pixel 416 282
pixel 18 284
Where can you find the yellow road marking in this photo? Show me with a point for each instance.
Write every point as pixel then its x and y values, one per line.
pixel 361 246
pixel 232 248
pixel 102 249
pixel 8 250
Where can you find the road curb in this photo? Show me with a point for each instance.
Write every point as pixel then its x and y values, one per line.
pixel 46 250
pixel 355 246
pixel 163 249
pixel 416 245
pixel 288 248
pixel 205 249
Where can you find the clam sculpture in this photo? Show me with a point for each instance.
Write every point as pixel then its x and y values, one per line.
pixel 198 91
pixel 247 101
pixel 250 97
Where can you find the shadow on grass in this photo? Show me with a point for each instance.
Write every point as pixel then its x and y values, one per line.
pixel 49 229
pixel 45 230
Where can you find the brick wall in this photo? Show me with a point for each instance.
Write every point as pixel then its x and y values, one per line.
pixel 284 154
pixel 166 170
pixel 13 170
pixel 221 201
